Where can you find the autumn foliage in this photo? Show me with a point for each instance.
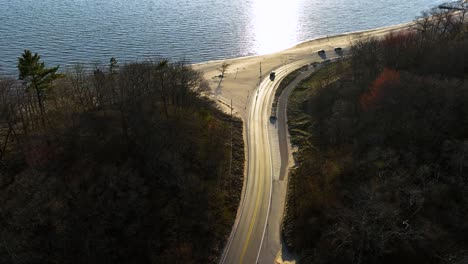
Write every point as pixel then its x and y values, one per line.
pixel 383 152
pixel 370 100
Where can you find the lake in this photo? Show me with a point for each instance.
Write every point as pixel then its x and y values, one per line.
pixel 91 31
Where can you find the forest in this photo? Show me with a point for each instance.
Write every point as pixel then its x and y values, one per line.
pixel 382 160
pixel 117 164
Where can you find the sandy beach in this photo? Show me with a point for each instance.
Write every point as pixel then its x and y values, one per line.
pixel 242 76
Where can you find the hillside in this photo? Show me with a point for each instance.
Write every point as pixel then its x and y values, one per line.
pixel 383 151
pixel 124 164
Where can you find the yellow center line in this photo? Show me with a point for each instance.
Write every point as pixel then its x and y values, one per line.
pixel 251 226
pixel 244 249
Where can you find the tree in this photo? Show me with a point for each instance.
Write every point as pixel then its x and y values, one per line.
pixel 7 114
pixel 224 67
pixel 113 65
pixel 36 76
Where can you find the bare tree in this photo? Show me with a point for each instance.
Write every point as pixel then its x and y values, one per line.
pixel 224 67
pixel 81 87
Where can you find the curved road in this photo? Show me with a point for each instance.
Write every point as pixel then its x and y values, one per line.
pixel 247 236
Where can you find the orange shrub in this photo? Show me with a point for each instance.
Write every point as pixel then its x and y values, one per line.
pixel 370 100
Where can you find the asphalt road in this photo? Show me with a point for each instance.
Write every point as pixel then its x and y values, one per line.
pixel 247 237
pixel 272 249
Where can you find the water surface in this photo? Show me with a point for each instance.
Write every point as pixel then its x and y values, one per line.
pixel 92 31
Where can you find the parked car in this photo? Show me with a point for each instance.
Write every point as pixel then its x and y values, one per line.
pixel 272 75
pixel 321 52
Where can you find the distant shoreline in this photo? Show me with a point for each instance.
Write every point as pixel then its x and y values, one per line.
pixel 391 28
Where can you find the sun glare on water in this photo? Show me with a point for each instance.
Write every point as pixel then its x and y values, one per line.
pixel 274 24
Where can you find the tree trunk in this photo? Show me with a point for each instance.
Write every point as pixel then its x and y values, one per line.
pixel 41 106
pixel 4 145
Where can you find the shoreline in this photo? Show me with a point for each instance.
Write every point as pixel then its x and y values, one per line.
pixel 297 44
pixel 243 75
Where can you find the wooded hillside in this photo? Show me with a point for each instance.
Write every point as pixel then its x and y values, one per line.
pixel 122 164
pixel 382 172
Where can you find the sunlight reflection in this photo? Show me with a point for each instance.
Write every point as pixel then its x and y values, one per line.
pixel 275 24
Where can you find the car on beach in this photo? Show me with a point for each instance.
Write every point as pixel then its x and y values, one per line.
pixel 272 75
pixel 338 49
pixel 321 52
